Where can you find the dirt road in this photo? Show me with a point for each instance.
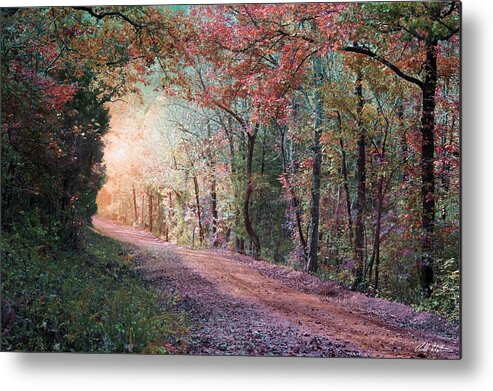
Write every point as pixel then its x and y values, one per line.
pixel 241 306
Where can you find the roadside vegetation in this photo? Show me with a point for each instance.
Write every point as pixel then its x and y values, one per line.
pixel 89 299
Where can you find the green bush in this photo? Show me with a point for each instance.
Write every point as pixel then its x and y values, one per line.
pixel 91 300
pixel 445 298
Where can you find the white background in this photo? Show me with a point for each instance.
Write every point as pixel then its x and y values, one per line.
pixel 474 372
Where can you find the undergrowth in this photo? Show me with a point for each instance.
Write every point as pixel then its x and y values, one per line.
pixel 86 300
pixel 445 297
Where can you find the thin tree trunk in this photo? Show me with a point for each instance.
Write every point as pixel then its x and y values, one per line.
pixel 299 225
pixel 240 245
pixel 248 193
pixel 199 211
pixel 445 168
pixel 346 184
pixel 313 231
pixel 213 191
pixel 142 221
pixel 359 237
pixel 135 205
pixel 348 195
pixel 375 257
pixel 149 194
pixel 168 218
pixel 262 160
pixel 214 211
pixel 159 217
pixel 237 191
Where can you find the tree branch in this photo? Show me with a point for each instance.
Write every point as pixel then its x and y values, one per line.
pixel 117 14
pixel 388 64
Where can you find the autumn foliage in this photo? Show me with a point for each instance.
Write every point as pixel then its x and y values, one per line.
pixel 320 135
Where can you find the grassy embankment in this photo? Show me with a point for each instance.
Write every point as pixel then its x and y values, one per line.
pixel 87 300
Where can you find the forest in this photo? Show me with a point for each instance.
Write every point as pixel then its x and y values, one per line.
pixel 323 137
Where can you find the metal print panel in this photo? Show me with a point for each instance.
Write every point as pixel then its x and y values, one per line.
pixel 237 179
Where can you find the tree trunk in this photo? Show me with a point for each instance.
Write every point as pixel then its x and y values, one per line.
pixel 359 237
pixel 214 212
pixel 136 214
pixel 248 193
pixel 346 184
pixel 313 233
pixel 375 257
pixel 199 211
pixel 240 245
pixel 299 224
pixel 236 183
pixel 168 217
pixel 348 195
pixel 150 211
pixel 213 192
pixel 427 172
pixel 159 217
pixel 142 221
pixel 313 230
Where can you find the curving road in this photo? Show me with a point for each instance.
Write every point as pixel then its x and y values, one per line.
pixel 241 306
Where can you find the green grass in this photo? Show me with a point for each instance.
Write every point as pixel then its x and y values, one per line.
pixel 89 300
